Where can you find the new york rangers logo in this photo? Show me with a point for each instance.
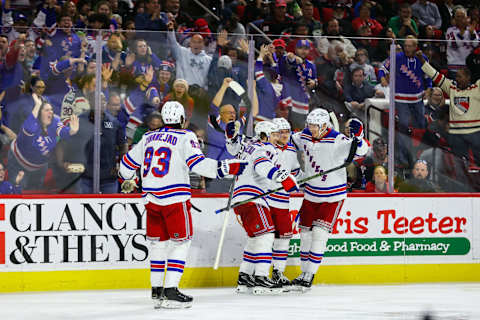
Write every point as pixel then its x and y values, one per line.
pixel 462 103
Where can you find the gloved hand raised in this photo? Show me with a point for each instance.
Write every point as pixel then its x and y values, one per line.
pixel 231 166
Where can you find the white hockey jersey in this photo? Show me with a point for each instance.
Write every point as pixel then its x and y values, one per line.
pixel 287 159
pixel 257 176
pixel 459 46
pixel 165 157
pixel 322 154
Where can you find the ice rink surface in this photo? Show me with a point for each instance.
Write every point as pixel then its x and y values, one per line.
pixel 442 301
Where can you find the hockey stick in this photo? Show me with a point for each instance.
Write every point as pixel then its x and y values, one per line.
pixel 353 149
pixel 241 93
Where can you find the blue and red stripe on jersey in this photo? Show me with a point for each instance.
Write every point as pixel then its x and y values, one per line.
pixel 247 190
pixel 259 160
pixel 280 197
pixel 194 160
pixel 168 191
pixel 128 162
pixel 327 191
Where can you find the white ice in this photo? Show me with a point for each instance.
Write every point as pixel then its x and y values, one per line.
pixel 441 301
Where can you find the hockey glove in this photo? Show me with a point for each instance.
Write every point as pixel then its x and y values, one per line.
pixel 356 129
pixel 231 166
pixel 128 186
pixel 289 183
pixel 231 130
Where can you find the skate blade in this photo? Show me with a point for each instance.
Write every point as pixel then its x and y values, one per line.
pixel 288 288
pixel 266 291
pixel 242 289
pixel 172 304
pixel 295 288
pixel 157 303
pixel 305 289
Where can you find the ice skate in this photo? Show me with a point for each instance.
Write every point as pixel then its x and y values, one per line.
pixel 279 277
pixel 174 299
pixel 245 283
pixel 297 282
pixel 306 283
pixel 157 297
pixel 264 285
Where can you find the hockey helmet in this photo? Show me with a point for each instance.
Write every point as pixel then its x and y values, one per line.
pixel 319 117
pixel 282 124
pixel 173 113
pixel 265 127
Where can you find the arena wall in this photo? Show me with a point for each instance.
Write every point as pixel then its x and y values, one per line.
pixel 98 242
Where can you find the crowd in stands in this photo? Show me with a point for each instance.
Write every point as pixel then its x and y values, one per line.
pixel 306 53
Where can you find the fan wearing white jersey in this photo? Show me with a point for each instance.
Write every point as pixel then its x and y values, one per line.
pixel 324 149
pixel 279 203
pixel 165 157
pixel 258 178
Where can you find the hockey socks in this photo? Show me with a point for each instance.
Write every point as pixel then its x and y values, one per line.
pixel 257 256
pixel 319 244
pixel 280 253
pixel 158 253
pixel 305 244
pixel 176 262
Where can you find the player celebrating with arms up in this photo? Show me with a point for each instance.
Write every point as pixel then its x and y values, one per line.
pixel 168 154
pixel 324 149
pixel 256 217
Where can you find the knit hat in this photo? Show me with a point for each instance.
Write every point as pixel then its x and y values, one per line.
pixel 182 82
pixel 202 26
pixel 166 66
pixel 225 62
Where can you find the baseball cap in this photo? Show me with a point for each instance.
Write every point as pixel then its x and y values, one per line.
pixel 303 43
pixel 225 62
pixel 20 17
pixel 279 43
pixel 280 3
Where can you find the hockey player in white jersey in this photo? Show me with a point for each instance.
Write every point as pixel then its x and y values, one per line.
pixel 324 149
pixel 259 177
pixel 165 157
pixel 279 203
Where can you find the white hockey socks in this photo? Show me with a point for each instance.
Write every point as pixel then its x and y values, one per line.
pixel 176 262
pixel 248 264
pixel 158 253
pixel 280 253
pixel 305 244
pixel 263 254
pixel 319 245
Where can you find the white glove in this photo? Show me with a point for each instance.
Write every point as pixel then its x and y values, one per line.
pixel 128 186
pixel 281 175
pixel 288 181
